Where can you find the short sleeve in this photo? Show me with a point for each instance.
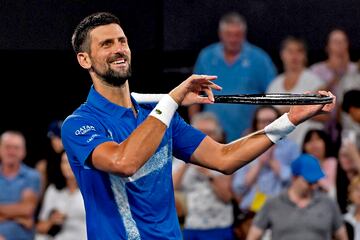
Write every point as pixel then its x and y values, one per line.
pixel 262 219
pixel 81 136
pixel 185 138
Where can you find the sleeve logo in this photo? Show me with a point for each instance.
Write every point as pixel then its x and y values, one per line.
pixel 158 111
pixel 84 129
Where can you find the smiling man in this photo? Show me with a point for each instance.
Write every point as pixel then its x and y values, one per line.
pixel 121 151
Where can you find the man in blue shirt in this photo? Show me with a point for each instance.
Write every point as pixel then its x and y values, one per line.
pixel 121 151
pixel 20 187
pixel 241 67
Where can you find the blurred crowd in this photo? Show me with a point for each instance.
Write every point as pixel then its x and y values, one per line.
pixel 305 187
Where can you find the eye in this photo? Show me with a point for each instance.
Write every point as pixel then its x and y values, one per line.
pixel 106 43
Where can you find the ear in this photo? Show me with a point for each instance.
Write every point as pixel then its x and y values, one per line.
pixel 84 60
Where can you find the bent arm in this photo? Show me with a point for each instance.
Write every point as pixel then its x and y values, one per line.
pixel 24 208
pixel 221 186
pixel 130 155
pixel 341 234
pixel 255 233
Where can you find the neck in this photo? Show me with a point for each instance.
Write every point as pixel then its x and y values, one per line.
pixel 293 72
pixel 230 56
pixel 10 170
pixel 338 60
pixel 300 199
pixel 117 95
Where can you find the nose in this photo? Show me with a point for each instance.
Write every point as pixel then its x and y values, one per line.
pixel 120 47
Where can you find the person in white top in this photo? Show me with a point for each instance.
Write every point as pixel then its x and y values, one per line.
pixel 208 193
pixel 62 215
pixel 296 78
pixel 352 217
pixel 333 69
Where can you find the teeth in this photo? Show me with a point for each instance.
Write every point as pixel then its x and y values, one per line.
pixel 119 61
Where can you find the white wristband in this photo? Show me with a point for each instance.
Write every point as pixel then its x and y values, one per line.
pixel 147 97
pixel 279 128
pixel 165 109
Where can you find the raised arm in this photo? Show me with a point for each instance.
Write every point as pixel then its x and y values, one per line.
pixel 227 158
pixel 128 156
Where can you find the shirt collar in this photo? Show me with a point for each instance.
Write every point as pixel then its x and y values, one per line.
pixel 244 50
pixel 102 104
pixel 316 196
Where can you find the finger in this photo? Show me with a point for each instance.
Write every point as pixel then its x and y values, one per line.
pixel 203 100
pixel 209 93
pixel 211 85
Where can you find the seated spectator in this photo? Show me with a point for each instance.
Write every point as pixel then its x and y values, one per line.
pixel 269 173
pixel 338 63
pixel 351 117
pixel 296 79
pixel 300 212
pixel 332 72
pixel 317 143
pixel 62 215
pixel 351 81
pixel 208 193
pixel 352 217
pixel 19 189
pixel 349 167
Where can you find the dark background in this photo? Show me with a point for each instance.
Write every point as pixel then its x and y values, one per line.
pixel 41 79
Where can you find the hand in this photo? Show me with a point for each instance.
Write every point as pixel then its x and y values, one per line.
pixel 187 92
pixel 57 217
pixel 299 114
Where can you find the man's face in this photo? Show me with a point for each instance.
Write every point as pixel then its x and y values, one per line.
pixel 303 187
pixel 12 149
pixel 110 54
pixel 232 36
pixel 293 56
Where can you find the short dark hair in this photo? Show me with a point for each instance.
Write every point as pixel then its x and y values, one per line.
pixel 323 136
pixel 292 39
pixel 80 35
pixel 351 99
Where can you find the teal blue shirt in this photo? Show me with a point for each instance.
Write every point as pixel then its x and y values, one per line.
pixel 11 190
pixel 251 73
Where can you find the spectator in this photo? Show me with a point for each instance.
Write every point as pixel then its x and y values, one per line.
pixel 352 217
pixel 350 81
pixel 318 144
pixel 300 212
pixel 296 79
pixel 338 63
pixel 241 68
pixel 349 159
pixel 268 174
pixel 208 193
pixel 62 215
pixel 20 187
pixel 333 72
pixel 351 117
